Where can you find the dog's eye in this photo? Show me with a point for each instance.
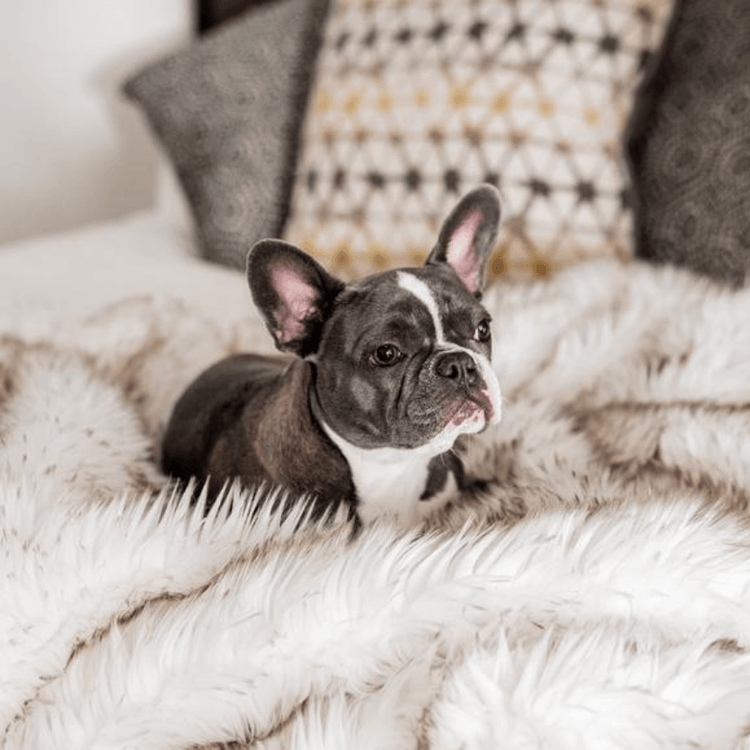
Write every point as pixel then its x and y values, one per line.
pixel 386 355
pixel 483 332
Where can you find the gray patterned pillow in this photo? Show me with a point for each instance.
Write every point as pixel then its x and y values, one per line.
pixel 227 110
pixel 689 143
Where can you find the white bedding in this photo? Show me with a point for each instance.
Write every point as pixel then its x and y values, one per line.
pixel 75 273
pixel 602 601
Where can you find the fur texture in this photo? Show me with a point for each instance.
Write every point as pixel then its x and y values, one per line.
pixel 597 595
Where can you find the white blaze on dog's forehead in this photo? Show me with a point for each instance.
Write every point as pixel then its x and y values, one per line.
pixel 422 292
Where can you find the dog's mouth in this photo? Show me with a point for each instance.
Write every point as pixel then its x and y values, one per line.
pixel 473 408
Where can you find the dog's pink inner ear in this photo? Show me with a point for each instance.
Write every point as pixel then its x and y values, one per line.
pixel 297 303
pixel 460 251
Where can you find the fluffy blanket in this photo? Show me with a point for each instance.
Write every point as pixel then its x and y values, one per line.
pixel 596 596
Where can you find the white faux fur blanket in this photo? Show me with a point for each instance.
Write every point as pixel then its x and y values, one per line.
pixel 598 595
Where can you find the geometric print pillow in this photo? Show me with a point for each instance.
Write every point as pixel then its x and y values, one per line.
pixel 417 101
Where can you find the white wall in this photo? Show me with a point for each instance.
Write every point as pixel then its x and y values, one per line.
pixel 72 150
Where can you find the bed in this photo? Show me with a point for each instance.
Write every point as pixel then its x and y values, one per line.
pixel 597 594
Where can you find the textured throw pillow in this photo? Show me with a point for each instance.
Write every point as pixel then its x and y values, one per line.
pixel 416 101
pixel 227 111
pixel 689 143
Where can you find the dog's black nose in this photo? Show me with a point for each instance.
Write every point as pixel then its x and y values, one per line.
pixel 458 366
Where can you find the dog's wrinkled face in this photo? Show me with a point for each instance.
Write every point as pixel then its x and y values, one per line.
pixel 402 358
pixel 405 362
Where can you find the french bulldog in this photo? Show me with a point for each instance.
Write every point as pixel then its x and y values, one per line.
pixel 388 372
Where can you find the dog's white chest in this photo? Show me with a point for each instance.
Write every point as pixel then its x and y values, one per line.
pixel 392 481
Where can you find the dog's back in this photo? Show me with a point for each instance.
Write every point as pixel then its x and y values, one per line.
pixel 248 417
pixel 212 404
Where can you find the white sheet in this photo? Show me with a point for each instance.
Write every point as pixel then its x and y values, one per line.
pixel 74 273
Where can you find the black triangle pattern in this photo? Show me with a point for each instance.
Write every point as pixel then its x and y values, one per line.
pixel 417 101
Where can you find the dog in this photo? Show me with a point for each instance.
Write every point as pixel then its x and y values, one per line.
pixel 388 372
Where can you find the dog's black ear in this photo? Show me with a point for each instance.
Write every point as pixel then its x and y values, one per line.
pixel 467 236
pixel 294 293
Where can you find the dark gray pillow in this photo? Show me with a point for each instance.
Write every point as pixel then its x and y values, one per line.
pixel 228 111
pixel 689 143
